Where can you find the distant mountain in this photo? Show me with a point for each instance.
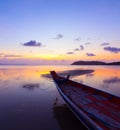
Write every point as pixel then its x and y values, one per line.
pixel 114 63
pixel 94 63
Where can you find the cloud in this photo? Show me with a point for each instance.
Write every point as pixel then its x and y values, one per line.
pixel 77 39
pixel 89 38
pixel 81 47
pixel 87 43
pixel 13 56
pixel 32 43
pixel 1 54
pixel 105 44
pixel 59 36
pixel 77 49
pixel 112 49
pixel 70 52
pixel 90 54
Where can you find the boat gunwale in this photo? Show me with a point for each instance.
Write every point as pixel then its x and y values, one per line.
pixel 84 87
pixel 82 116
pixel 61 80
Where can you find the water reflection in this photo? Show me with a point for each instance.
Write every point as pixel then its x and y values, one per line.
pixel 112 80
pixel 90 75
pixel 72 73
pixel 105 78
pixel 31 86
pixel 23 110
pixel 65 118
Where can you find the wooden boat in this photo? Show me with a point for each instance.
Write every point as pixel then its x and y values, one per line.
pixel 98 110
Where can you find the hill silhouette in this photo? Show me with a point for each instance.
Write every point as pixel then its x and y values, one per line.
pixel 94 63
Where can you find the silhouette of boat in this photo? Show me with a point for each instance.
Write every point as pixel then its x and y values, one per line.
pixel 66 119
pixel 96 109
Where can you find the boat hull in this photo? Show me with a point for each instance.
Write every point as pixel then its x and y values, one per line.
pixel 79 107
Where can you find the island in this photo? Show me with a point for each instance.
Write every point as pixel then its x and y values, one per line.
pixel 94 63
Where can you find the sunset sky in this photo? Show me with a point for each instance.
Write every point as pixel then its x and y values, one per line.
pixel 59 31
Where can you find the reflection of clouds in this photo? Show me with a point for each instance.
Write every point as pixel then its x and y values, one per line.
pixel 31 86
pixel 90 75
pixel 112 80
pixel 5 82
pixel 18 77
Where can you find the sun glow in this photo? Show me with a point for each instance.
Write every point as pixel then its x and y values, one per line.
pixel 43 56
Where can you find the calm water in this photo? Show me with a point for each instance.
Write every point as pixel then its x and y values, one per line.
pixel 29 100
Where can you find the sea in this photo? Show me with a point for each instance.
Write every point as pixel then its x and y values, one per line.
pixel 29 99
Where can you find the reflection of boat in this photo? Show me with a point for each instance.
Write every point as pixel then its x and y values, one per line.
pixel 65 118
pixel 98 110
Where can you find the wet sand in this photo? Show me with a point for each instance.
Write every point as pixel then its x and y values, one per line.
pixel 72 73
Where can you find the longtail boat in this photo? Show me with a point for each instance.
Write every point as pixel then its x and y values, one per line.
pixel 96 109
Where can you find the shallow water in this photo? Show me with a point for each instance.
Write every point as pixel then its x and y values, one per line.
pixel 29 100
pixel 105 78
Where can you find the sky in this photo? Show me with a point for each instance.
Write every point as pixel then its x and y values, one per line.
pixel 59 31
